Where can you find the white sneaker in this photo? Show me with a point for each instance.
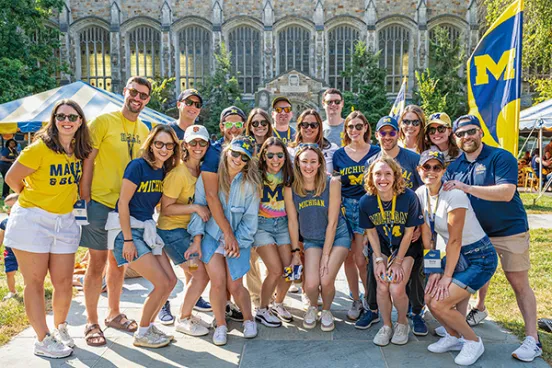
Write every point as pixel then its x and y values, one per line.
pixel 447 343
pixel 326 321
pixel 309 322
pixel 400 336
pixel 161 332
pixel 281 312
pixel 151 339
pixel 265 316
pixel 356 309
pixel 475 316
pixel 219 337
pixel 383 336
pixel 8 296
pixel 440 331
pixel 528 351
pixel 191 326
pixel 50 347
pixel 293 289
pixel 250 329
pixel 471 351
pixel 62 335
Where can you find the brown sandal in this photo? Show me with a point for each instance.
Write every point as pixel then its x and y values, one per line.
pixel 129 326
pixel 94 338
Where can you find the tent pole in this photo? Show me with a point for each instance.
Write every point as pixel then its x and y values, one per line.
pixel 525 143
pixel 540 161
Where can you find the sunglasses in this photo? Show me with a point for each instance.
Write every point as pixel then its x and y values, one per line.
pixel 189 102
pixel 255 124
pixel 134 92
pixel 71 117
pixel 391 133
pixel 243 156
pixel 270 155
pixel 308 145
pixel 309 125
pixel 466 132
pixel 286 109
pixel 159 145
pixel 411 122
pixel 440 129
pixel 358 126
pixel 233 124
pixel 434 168
pixel 201 143
pixel 333 102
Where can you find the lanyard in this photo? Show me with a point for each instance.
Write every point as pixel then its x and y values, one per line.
pixel 130 146
pixel 431 217
pixel 287 139
pixel 73 171
pixel 388 227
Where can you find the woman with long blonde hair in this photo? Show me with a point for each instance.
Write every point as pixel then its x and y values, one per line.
pixel 411 128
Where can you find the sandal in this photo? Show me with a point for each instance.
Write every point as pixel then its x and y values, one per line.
pixel 129 326
pixel 93 335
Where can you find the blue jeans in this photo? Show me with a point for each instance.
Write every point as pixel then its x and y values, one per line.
pixel 177 241
pixel 482 259
pixel 351 214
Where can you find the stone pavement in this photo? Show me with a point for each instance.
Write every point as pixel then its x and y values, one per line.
pixel 289 345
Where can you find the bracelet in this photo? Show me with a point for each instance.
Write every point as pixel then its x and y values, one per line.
pixel 128 240
pixel 295 250
pixel 379 260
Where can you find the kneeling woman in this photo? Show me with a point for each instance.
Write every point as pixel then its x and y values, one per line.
pixel 239 187
pixel 390 212
pixel 471 259
pixel 132 229
pixel 313 207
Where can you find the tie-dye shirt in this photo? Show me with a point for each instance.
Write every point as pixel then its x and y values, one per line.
pixel 272 200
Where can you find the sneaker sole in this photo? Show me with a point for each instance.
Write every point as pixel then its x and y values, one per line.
pixel 399 342
pixel 189 333
pixel 327 328
pixel 378 344
pixel 201 309
pixel 420 334
pixel 250 337
pixel 153 346
pixel 220 343
pixel 46 355
pixel 369 325
pixel 525 360
pixel 454 348
pixel 166 323
pixel 309 327
pixel 353 319
pixel 282 318
pixel 266 323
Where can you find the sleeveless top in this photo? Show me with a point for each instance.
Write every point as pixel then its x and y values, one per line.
pixel 313 213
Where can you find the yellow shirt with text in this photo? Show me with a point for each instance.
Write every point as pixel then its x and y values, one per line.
pixel 112 134
pixel 179 184
pixel 52 186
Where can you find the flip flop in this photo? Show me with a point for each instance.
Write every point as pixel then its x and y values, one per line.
pixel 129 326
pixel 94 338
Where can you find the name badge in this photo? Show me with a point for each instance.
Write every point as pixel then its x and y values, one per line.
pixel 80 212
pixel 432 261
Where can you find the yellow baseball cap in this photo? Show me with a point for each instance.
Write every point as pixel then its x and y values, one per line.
pixel 440 118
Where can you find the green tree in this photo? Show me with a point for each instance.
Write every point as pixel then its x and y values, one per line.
pixel 427 93
pixel 368 94
pixel 161 92
pixel 27 61
pixel 220 90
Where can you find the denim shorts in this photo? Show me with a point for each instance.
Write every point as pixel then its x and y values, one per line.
pixel 138 239
pixel 272 231
pixel 342 238
pixel 10 262
pixel 177 241
pixel 351 214
pixel 482 259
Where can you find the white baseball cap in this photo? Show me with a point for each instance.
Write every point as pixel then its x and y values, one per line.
pixel 194 132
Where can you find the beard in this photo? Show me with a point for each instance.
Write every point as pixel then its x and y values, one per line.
pixel 132 109
pixel 471 146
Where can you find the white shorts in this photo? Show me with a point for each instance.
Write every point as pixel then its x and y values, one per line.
pixel 37 231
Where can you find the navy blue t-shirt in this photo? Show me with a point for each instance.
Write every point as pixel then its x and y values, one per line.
pixel 352 172
pixel 409 162
pixel 4 224
pixel 408 213
pixel 286 136
pixel 149 188
pixel 493 166
pixel 212 157
pixel 178 130
pixel 7 153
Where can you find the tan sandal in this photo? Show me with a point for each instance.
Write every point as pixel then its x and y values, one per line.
pixel 129 326
pixel 93 335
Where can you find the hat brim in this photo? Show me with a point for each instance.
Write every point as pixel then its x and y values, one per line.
pixel 438 121
pixel 423 162
pixel 242 150
pixel 387 124
pixel 196 136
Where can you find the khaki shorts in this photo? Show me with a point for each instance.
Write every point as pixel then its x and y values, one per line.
pixel 513 251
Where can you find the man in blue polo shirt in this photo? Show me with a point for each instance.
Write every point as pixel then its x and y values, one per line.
pixel 488 175
pixel 189 103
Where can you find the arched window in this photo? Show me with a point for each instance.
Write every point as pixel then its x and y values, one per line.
pixel 95 57
pixel 453 36
pixel 293 49
pixel 245 45
pixel 394 43
pixel 144 50
pixel 341 47
pixel 195 55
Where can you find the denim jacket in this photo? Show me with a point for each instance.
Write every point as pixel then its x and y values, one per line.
pixel 242 211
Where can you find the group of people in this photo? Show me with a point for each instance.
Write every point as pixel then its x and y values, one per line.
pixel 408 218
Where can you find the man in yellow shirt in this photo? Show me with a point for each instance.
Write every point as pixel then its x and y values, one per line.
pixel 117 138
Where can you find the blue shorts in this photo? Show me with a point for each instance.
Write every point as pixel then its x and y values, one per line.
pixel 141 247
pixel 482 260
pixel 351 214
pixel 177 242
pixel 342 238
pixel 272 231
pixel 10 262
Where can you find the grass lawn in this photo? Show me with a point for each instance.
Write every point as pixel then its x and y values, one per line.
pixel 544 204
pixel 501 301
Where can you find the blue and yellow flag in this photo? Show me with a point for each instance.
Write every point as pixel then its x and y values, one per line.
pixel 494 79
pixel 400 102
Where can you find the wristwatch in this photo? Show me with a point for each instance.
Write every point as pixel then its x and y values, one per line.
pixel 379 260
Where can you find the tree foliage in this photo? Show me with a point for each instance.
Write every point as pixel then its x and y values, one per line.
pixel 162 92
pixel 27 61
pixel 368 94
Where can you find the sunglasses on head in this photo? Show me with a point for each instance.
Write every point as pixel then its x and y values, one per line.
pixel 464 133
pixel 71 117
pixel 189 102
pixel 440 129
pixel 233 124
pixel 358 126
pixel 434 168
pixel 270 155
pixel 237 154
pixel 390 133
pixel 309 125
pixel 159 145
pixel 411 122
pixel 134 92
pixel 333 102
pixel 255 124
pixel 201 143
pixel 286 109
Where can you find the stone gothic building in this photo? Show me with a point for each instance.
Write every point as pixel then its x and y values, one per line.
pixel 292 47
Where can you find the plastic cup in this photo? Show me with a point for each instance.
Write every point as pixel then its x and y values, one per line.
pixel 193 262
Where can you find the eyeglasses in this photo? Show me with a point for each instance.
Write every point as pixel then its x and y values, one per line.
pixel 309 125
pixel 71 117
pixel 243 156
pixel 390 133
pixel 270 155
pixel 233 124
pixel 333 102
pixel 286 109
pixel 434 168
pixel 466 132
pixel 189 102
pixel 411 122
pixel 358 126
pixel 308 145
pixel 159 145
pixel 201 143
pixel 255 124
pixel 440 129
pixel 134 92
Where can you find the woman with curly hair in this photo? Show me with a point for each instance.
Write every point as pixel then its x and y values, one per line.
pixel 411 128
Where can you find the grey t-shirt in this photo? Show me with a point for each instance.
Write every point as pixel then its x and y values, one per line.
pixel 333 133
pixel 313 213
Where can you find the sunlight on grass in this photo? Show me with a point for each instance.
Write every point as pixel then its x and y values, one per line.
pixel 543 205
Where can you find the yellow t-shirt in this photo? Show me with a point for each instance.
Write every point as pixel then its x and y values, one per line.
pixel 179 184
pixel 52 186
pixel 110 134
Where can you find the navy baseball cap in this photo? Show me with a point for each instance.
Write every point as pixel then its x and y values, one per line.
pixel 387 121
pixel 432 154
pixel 280 98
pixel 244 145
pixel 465 120
pixel 188 93
pixel 232 110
